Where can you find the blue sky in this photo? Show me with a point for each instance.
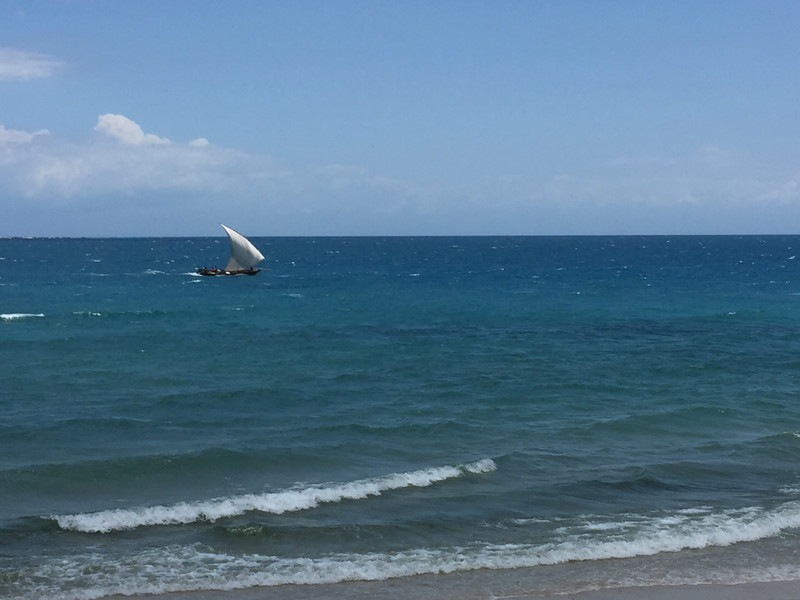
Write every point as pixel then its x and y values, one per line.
pixel 338 117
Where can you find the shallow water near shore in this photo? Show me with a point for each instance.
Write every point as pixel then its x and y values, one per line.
pixel 569 413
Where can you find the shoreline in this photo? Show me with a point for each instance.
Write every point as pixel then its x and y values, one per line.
pixel 771 590
pixel 706 574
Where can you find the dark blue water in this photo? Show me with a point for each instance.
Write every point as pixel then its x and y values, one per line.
pixel 587 411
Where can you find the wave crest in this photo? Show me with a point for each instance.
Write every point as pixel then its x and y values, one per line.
pixel 197 567
pixel 16 316
pixel 271 502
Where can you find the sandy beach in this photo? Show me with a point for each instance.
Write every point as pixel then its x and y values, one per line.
pixel 782 590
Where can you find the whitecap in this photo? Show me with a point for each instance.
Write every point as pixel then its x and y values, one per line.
pixel 17 316
pixel 198 567
pixel 280 502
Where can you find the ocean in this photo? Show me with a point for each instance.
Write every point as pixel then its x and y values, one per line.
pixel 403 417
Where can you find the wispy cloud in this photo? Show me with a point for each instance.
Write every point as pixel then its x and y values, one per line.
pixel 124 158
pixel 10 137
pixel 787 192
pixel 194 179
pixel 20 64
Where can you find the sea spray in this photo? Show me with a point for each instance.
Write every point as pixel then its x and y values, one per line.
pixel 188 568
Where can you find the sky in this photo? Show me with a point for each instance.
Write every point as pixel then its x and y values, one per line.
pixel 413 117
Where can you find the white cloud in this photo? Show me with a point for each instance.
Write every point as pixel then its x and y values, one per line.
pixel 19 64
pixel 140 162
pixel 16 136
pixel 51 169
pixel 196 179
pixel 126 131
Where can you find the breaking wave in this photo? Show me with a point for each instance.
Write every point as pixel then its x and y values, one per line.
pixel 16 316
pixel 197 567
pixel 272 502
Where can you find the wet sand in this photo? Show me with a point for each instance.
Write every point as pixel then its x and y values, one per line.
pixel 783 590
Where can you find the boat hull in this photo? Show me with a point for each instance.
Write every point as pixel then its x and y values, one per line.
pixel 214 271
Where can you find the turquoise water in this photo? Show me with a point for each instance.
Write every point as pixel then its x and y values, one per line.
pixel 586 411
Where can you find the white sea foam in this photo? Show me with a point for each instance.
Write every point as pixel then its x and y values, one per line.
pixel 187 568
pixel 271 502
pixel 16 316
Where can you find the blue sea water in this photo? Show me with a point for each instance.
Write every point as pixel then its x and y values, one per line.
pixel 444 417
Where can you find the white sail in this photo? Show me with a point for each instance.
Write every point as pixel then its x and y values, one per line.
pixel 243 254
